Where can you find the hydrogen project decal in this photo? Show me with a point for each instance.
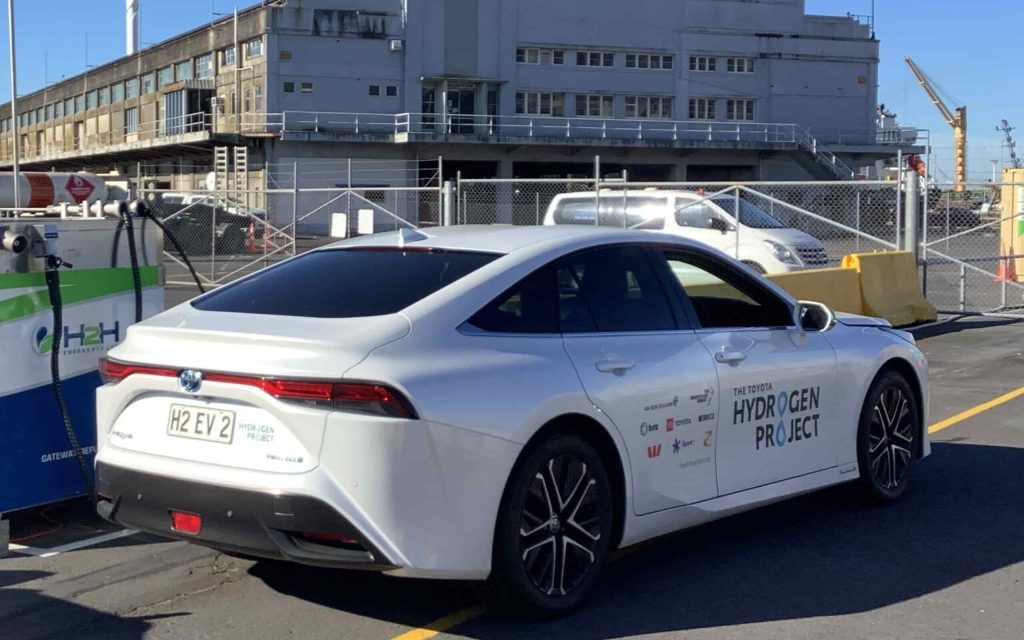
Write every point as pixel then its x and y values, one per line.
pixel 79 339
pixel 780 418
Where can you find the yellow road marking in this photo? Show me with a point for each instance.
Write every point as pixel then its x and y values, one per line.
pixel 973 411
pixel 443 624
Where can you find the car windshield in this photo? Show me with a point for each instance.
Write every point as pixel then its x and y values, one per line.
pixel 346 283
pixel 751 215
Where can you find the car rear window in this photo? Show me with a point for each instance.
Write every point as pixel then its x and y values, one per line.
pixel 346 283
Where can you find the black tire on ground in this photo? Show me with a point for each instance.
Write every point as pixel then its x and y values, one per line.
pixel 553 530
pixel 888 439
pixel 755 266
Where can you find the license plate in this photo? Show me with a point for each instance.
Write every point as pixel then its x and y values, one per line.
pixel 201 423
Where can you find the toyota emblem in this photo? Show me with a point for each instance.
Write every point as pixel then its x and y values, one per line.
pixel 190 380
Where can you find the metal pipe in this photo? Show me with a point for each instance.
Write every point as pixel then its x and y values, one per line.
pixel 16 147
pixel 963 287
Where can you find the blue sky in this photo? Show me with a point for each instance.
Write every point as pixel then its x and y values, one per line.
pixel 962 45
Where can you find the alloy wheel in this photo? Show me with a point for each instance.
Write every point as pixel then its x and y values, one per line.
pixel 560 526
pixel 891 438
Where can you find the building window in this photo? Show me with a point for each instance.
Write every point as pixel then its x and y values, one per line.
pixel 258 99
pixel 703 63
pixel 739 109
pixel 739 65
pixel 540 103
pixel 58 109
pixel 104 96
pixel 702 108
pixel 649 61
pixel 595 59
pixel 148 83
pixel 48 112
pixel 247 101
pixel 165 77
pixel 131 88
pixel 183 71
pixel 374 89
pixel 227 57
pixel 204 66
pixel 289 87
pixel 254 48
pixel 69 106
pixel 526 55
pixel 595 106
pixel 648 107
pixel 533 55
pixel 79 103
pixel 90 100
pixel 391 91
pixel 307 87
pixel 131 120
pixel 116 92
pixel 234 102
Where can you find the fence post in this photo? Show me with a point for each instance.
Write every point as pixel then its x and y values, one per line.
pixel 449 203
pixel 536 207
pixel 898 223
pixel 597 190
pixel 736 216
pixel 625 201
pixel 913 206
pixel 963 287
pixel 857 224
pixel 295 206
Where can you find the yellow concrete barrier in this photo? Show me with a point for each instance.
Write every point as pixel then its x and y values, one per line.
pixel 890 288
pixel 838 288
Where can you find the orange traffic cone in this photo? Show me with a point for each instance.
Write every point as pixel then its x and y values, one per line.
pixel 250 240
pixel 1007 271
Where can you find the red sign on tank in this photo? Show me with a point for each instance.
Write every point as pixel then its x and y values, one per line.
pixel 79 188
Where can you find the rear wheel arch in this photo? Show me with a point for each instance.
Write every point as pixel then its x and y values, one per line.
pixel 596 435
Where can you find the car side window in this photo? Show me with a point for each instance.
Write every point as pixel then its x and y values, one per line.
pixel 613 289
pixel 529 306
pixel 695 215
pixel 722 298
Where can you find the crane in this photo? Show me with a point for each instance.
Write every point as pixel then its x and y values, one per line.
pixel 956 118
pixel 1011 145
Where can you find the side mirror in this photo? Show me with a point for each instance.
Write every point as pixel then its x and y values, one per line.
pixel 719 224
pixel 815 317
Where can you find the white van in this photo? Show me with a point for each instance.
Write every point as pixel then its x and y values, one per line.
pixel 765 244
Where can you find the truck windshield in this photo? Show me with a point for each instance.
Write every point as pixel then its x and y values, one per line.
pixel 751 215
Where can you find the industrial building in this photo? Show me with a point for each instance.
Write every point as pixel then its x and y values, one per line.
pixel 668 89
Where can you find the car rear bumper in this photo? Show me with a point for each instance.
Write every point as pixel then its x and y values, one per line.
pixel 241 521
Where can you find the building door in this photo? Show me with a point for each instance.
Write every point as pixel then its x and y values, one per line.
pixel 461 107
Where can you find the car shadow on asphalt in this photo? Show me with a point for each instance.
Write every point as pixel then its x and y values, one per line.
pixel 819 555
pixel 957 324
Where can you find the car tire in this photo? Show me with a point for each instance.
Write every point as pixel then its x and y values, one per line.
pixel 888 439
pixel 755 266
pixel 553 530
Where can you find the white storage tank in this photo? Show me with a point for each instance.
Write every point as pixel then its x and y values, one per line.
pixel 42 189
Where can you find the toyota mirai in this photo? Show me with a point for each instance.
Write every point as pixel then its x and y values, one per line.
pixel 496 403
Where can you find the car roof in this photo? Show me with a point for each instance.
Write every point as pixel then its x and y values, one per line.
pixel 506 239
pixel 582 195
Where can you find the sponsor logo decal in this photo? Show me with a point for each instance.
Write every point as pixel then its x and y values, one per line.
pixel 702 398
pixel 57 456
pixel 648 427
pixel 653 451
pixel 257 432
pixel 708 436
pixel 670 424
pixel 707 417
pixel 81 339
pixel 662 405
pixel 693 463
pixel 678 444
pixel 779 419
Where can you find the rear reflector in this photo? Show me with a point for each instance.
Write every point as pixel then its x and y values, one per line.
pixel 186 522
pixel 332 538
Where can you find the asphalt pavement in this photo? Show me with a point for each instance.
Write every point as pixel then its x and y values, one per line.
pixel 946 563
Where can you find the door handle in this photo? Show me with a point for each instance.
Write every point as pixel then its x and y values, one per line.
pixel 730 357
pixel 614 366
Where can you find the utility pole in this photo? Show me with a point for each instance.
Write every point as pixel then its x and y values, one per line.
pixel 14 105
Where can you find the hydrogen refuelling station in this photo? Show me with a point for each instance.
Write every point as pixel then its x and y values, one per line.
pixel 78 266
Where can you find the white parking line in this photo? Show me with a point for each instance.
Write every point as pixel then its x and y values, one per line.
pixel 72 546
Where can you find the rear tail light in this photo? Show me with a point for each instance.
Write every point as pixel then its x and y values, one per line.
pixel 353 397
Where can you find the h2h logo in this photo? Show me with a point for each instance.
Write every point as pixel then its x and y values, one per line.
pixel 96 335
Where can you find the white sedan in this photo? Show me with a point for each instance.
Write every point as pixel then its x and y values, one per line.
pixel 495 403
